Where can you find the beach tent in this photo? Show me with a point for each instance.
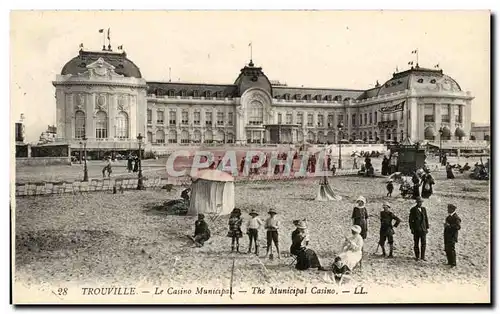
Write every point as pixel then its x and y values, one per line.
pixel 325 192
pixel 212 192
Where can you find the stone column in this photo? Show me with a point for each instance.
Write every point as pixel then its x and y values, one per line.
pixel 90 121
pixel 452 121
pixel 437 119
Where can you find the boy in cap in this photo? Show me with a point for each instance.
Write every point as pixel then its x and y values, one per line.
pixel 253 226
pixel 419 226
pixel 201 231
pixel 389 187
pixel 386 228
pixel 451 227
pixel 272 225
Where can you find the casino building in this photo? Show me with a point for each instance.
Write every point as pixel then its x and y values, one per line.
pixel 102 95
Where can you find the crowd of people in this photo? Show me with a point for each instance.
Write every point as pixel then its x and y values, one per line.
pixel 351 252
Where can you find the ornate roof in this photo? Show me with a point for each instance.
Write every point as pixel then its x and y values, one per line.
pixel 300 93
pixel 419 79
pixel 122 64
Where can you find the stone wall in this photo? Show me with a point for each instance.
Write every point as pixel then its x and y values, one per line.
pixel 42 161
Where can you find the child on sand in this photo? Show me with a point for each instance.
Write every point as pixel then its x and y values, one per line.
pixel 339 269
pixel 272 225
pixel 389 187
pixel 253 231
pixel 235 222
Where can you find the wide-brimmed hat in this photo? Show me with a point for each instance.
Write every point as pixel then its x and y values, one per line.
pixel 390 180
pixel 301 225
pixel 272 211
pixel 253 213
pixel 236 210
pixel 201 216
pixel 386 204
pixel 362 199
pixel 356 228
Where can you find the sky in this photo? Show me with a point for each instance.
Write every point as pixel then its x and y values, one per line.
pixel 337 49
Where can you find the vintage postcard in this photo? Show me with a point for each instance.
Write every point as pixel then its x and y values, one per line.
pixel 250 157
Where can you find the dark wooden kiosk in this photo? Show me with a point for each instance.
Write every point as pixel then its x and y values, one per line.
pixel 410 156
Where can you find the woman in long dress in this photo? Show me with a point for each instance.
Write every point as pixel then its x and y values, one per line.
pixel 360 216
pixel 427 183
pixel 306 258
pixel 352 248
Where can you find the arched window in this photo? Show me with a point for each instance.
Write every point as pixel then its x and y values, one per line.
pixel 255 113
pixel 209 137
pixel 79 124
pixel 160 137
pixel 184 137
pixel 196 136
pixel 122 125
pixel 172 137
pixel 101 125
pixel 310 137
pixel 230 137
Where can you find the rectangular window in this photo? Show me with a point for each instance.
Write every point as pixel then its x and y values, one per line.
pixel 375 117
pixel 280 118
pixel 371 120
pixel 330 120
pixel 219 94
pixel 341 118
pixel 458 114
pixel 321 120
pixel 208 118
pixel 445 113
pixel 256 115
pixel 172 117
pixel 366 118
pixel 220 118
pixel 353 119
pixel 185 117
pixel 429 113
pixel 149 115
pixel 309 119
pixel 360 119
pixel 159 117
pixel 300 118
pixel 289 118
pixel 229 118
pixel 196 117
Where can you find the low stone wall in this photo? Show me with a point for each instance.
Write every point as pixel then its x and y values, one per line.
pixel 42 161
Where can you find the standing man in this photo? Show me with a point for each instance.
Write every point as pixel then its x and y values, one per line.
pixel 451 227
pixel 419 226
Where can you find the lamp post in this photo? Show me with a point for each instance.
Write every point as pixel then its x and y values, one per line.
pixel 85 170
pixel 81 151
pixel 340 126
pixel 140 184
pixel 440 144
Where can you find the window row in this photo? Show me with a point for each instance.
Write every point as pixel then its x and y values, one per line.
pixel 310 119
pixel 446 112
pixel 193 93
pixel 185 138
pixel 101 125
pixel 185 119
pixel 309 97
pixel 369 118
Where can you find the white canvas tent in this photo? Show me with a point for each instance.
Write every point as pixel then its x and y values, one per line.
pixel 212 192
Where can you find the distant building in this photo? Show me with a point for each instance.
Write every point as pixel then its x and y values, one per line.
pixel 480 131
pixel 102 95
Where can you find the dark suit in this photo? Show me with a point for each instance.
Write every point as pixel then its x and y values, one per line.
pixel 451 237
pixel 419 224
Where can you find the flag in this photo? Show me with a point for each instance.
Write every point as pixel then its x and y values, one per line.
pixel 101 30
pixel 250 44
pixel 437 66
pixel 410 63
pixel 81 45
pixel 120 47
pixel 108 34
pixel 414 51
pixel 397 69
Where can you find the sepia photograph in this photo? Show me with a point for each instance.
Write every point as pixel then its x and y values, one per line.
pixel 250 157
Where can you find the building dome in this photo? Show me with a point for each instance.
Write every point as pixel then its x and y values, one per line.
pixel 419 79
pixel 122 65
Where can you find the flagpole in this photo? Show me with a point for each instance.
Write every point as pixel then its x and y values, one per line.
pixel 251 51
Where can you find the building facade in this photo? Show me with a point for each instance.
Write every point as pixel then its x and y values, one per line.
pixel 102 96
pixel 480 131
